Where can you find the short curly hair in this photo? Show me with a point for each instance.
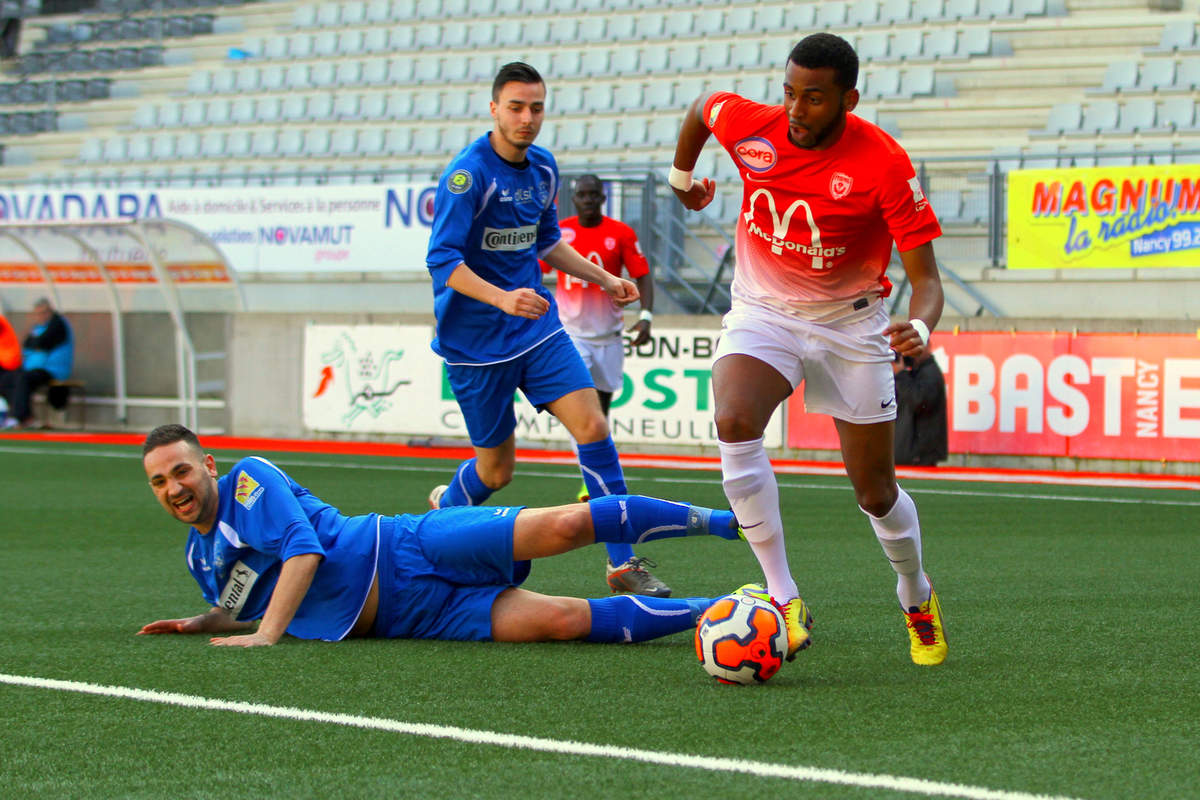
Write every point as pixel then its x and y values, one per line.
pixel 827 50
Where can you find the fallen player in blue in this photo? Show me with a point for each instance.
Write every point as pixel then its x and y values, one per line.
pixel 262 547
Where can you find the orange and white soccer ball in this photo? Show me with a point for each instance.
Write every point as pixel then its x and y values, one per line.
pixel 741 639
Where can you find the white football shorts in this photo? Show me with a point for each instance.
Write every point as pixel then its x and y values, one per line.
pixel 846 367
pixel 605 359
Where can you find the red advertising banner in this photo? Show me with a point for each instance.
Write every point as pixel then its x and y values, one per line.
pixel 1119 396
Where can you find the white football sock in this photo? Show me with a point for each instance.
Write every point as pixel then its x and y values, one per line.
pixel 753 495
pixel 899 534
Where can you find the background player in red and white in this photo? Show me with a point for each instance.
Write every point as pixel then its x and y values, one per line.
pixel 592 319
pixel 825 196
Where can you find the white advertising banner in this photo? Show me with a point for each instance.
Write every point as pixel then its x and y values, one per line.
pixel 358 228
pixel 385 379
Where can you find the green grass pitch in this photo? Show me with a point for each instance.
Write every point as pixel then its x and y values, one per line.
pixel 1070 615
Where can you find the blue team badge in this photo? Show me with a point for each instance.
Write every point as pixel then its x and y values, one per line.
pixel 543 191
pixel 459 181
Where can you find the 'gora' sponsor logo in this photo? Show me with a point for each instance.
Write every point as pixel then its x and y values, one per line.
pixel 756 153
pixel 509 238
pixel 248 491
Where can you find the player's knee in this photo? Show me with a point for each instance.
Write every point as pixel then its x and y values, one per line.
pixel 570 528
pixel 877 500
pixel 593 429
pixel 566 618
pixel 734 425
pixel 495 476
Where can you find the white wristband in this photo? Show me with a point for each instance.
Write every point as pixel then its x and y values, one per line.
pixel 646 314
pixel 680 179
pixel 922 330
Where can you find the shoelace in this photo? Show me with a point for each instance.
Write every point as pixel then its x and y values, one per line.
pixel 639 564
pixel 923 625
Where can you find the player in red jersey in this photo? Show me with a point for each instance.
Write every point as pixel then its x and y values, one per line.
pixel 826 194
pixel 594 323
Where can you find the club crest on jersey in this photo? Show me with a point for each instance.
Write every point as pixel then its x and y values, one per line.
pixel 459 181
pixel 610 243
pixel 714 112
pixel 839 185
pixel 756 154
pixel 248 491
pixel 568 235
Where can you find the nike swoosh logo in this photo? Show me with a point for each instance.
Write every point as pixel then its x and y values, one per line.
pixel 755 525
pixel 887 403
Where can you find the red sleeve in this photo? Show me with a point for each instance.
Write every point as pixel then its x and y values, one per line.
pixel 545 267
pixel 729 116
pixel 631 253
pixel 905 208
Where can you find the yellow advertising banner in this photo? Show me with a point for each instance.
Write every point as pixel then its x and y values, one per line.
pixel 1108 217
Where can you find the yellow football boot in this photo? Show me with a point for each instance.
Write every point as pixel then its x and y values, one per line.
pixel 925 632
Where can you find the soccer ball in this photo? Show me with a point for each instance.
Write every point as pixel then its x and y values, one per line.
pixel 741 639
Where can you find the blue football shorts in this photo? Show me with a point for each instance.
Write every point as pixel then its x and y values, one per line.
pixel 551 370
pixel 440 572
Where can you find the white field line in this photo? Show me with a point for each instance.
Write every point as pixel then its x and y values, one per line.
pixel 631 462
pixel 681 760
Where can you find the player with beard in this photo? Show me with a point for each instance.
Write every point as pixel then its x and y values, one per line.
pixel 498 330
pixel 826 194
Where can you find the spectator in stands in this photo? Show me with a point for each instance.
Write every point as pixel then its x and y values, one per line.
pixel 497 326
pixel 291 560
pixel 48 355
pixel 826 195
pixel 589 315
pixel 921 436
pixel 10 37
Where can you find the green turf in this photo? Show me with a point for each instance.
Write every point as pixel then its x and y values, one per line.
pixel 1069 612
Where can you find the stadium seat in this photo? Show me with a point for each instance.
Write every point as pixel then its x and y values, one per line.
pixel 375 40
pixel 138 147
pixel 1063 118
pixel 659 95
pixel 1187 75
pixel 379 11
pixel 1110 154
pixel 187 145
pixel 370 142
pixel 1030 8
pixel 401 70
pixel 628 96
pixel 325 44
pixel 961 9
pixel 344 143
pixel 975 207
pixel 631 133
pixel 974 42
pixel 680 24
pixel 212 145
pixel 1077 154
pixel 602 133
pixel 241 111
pixel 456 103
pixel 397 141
pixel 883 82
pixel 1156 74
pixel 746 55
pixel 598 98
pixel 769 19
pixel 566 63
pixel 348 73
pixel 1119 76
pixel 1040 155
pixel 246 79
pixel 663 131
pixel 684 58
pixel 350 43
pixel 298 76
pixel 224 81
pixel 688 89
pixel 947 204
pixel 300 45
pixel 295 108
pixel 194 114
pixel 269 110
pixel 1137 115
pixel 940 43
pixel 713 56
pixel 427 104
pixel 304 16
pixel 1176 113
pixel 1176 36
pixel 873 46
pixel 218 111
pixel 374 72
pixel 428 140
pixel 711 22
pixel 759 88
pixel 320 107
pixel 273 78
pixel 625 60
pixel 373 106
pixel 323 74
pixel 399 105
pixel 145 116
pixel 571 135
pixel 402 37
pixel 316 142
pixel 653 59
pixel 265 144
pixel 354 12
pixel 347 106
pixel 328 14
pixel 567 99
pixel 863 13
pixel 918 81
pixel 650 25
pixel 831 14
pixel 995 9
pixel 896 12
pixel 907 44
pixel 595 61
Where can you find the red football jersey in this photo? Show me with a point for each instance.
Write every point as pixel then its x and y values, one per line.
pixel 585 309
pixel 817 226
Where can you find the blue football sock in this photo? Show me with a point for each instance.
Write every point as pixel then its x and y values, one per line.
pixel 466 489
pixel 601 468
pixel 637 618
pixel 634 519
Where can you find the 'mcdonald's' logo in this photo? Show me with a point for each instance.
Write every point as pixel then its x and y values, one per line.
pixel 778 236
pixel 756 154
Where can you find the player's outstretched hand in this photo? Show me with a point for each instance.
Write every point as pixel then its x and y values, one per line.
pixel 622 291
pixel 255 639
pixel 641 333
pixel 700 195
pixel 524 303
pixel 904 339
pixel 188 625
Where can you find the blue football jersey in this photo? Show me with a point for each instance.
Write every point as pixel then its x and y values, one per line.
pixel 498 219
pixel 264 518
